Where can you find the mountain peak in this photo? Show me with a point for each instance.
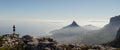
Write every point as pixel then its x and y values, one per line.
pixel 73 24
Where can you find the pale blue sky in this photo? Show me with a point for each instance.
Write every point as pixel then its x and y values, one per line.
pixel 42 16
pixel 59 9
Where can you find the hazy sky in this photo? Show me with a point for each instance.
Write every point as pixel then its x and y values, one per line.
pixel 89 11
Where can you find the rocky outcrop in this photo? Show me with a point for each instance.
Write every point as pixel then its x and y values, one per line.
pixel 115 20
pixel 10 39
pixel 51 44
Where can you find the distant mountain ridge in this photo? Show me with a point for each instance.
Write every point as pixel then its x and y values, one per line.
pixel 91 27
pixel 107 33
pixel 72 32
pixel 81 35
pixel 69 32
pixel 112 27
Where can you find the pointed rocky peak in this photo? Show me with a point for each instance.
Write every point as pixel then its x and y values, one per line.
pixel 73 24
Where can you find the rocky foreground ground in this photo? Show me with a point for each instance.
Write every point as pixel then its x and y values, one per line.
pixel 27 42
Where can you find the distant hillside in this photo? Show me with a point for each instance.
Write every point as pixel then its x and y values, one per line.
pixel 91 27
pixel 110 30
pixel 70 32
pixel 74 33
pixel 105 34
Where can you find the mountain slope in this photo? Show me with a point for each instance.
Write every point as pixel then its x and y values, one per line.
pixel 70 32
pixel 73 24
pixel 116 41
pixel 74 33
pixel 105 34
pixel 91 27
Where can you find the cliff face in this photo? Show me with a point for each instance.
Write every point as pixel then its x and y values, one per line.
pixel 110 30
pixel 118 35
pixel 115 20
pixel 116 41
pixel 114 23
pixel 107 33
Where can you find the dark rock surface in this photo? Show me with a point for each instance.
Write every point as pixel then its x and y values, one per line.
pixel 116 41
pixel 115 20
